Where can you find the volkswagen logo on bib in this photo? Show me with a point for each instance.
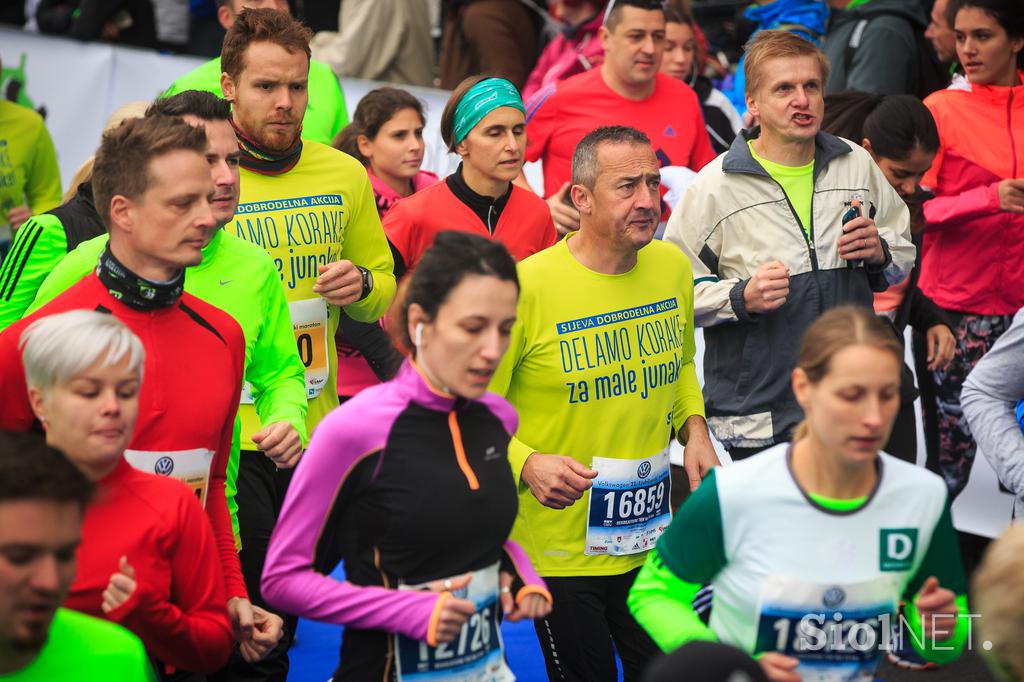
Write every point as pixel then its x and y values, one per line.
pixel 164 466
pixel 644 470
pixel 833 597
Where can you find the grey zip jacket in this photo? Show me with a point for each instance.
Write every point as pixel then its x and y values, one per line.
pixel 733 219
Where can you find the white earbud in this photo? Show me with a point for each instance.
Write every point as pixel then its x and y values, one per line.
pixel 419 335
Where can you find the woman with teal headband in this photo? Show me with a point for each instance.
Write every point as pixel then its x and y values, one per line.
pixel 484 123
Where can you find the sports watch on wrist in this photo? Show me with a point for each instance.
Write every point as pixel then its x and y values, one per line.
pixel 367 282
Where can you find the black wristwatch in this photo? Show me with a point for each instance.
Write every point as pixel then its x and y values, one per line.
pixel 367 282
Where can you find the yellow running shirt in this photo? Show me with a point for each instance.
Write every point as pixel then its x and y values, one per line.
pixel 600 368
pixel 320 211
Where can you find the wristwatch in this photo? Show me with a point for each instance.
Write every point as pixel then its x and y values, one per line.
pixel 367 282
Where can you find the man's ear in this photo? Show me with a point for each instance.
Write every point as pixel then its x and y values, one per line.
pixel 227 85
pixel 582 199
pixel 122 213
pixel 225 16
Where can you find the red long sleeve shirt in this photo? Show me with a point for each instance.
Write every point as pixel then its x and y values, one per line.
pixel 190 392
pixel 178 608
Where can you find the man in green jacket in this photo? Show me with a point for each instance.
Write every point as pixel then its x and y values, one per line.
pixel 325 115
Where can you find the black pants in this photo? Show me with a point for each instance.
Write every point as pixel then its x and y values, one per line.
pixel 590 614
pixel 903 439
pixel 261 489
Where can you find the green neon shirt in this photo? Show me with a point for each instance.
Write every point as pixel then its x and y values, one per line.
pixel 796 181
pixel 38 245
pixel 836 504
pixel 325 113
pixel 585 371
pixel 242 280
pixel 84 648
pixel 696 549
pixel 29 174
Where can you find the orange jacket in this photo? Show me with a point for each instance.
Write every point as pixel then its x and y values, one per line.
pixel 973 254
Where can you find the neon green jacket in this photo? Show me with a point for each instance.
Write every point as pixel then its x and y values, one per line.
pixel 38 245
pixel 325 113
pixel 241 279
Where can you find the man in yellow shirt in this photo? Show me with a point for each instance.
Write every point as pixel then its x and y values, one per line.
pixel 312 209
pixel 600 369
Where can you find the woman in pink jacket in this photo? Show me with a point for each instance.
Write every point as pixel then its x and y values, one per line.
pixel 973 252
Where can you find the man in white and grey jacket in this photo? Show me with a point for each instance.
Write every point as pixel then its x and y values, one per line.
pixel 989 400
pixel 785 225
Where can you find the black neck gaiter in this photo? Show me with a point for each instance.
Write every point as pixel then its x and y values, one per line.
pixel 134 291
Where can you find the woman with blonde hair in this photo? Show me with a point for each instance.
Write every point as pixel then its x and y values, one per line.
pixel 45 239
pixel 811 546
pixel 148 559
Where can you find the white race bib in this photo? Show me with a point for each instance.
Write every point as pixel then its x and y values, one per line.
pixel 629 505
pixel 476 654
pixel 190 466
pixel 836 630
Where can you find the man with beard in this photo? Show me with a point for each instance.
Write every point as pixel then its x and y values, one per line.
pixel 42 502
pixel 312 209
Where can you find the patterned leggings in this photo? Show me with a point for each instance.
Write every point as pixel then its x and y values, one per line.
pixel 975 335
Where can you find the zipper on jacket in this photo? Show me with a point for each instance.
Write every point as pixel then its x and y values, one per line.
pixel 1009 126
pixel 460 451
pixel 807 234
pixel 490 211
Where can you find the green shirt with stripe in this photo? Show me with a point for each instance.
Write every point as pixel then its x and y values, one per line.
pixel 751 522
pixel 38 245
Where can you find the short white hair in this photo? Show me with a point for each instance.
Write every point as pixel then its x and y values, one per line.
pixel 54 349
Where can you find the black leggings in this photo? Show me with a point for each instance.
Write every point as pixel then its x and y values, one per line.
pixel 590 615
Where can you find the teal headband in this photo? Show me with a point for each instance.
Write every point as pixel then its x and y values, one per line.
pixel 481 99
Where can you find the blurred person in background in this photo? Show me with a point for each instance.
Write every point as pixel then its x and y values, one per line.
pixel 380 40
pixel 494 37
pixel 682 60
pixel 48 237
pixel 575 49
pixel 880 46
pixel 29 175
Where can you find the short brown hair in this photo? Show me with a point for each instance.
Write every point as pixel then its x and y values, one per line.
pixel 773 45
pixel 835 331
pixel 266 25
pixel 122 160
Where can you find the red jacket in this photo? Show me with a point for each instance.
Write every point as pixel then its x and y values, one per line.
pixel 524 226
pixel 178 607
pixel 973 254
pixel 191 385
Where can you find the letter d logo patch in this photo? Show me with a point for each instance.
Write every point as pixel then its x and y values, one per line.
pixel 897 547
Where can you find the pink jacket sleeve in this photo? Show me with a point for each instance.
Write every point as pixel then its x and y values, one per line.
pixel 954 210
pixel 290 581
